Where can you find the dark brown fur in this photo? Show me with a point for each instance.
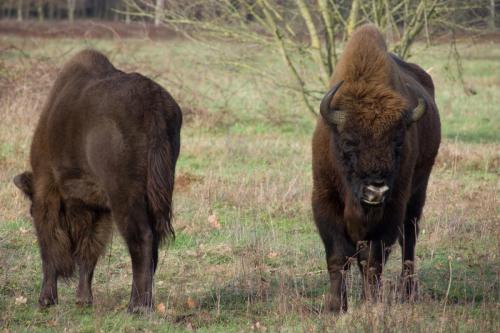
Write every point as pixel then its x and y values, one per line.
pixel 104 149
pixel 376 142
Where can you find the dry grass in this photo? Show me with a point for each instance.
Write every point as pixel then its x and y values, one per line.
pixel 247 256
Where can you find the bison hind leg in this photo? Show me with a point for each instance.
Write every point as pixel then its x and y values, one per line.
pixel 133 220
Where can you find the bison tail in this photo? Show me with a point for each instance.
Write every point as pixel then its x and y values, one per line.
pixel 162 155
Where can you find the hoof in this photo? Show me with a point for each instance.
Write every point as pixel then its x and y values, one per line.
pixel 140 309
pixel 84 301
pixel 409 289
pixel 45 302
pixel 336 305
pixel 84 297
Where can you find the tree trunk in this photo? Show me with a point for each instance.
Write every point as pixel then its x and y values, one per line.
pixel 331 53
pixel 50 11
pixel 107 11
pixel 492 16
pixel 353 17
pixel 19 10
pixel 57 12
pixel 71 10
pixel 127 13
pixel 160 5
pixel 39 8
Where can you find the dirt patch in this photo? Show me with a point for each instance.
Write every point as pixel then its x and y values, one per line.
pixel 460 157
pixel 184 181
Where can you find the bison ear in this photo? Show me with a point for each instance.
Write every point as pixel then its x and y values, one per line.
pixel 24 182
pixel 332 116
pixel 418 111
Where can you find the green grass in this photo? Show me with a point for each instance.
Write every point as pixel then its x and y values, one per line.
pixel 245 158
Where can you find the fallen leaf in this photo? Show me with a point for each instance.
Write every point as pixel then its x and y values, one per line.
pixel 52 323
pixel 213 221
pixel 21 300
pixel 161 308
pixel 258 327
pixel 272 255
pixel 191 303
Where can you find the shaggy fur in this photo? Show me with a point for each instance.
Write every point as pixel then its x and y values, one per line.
pixel 104 149
pixel 377 142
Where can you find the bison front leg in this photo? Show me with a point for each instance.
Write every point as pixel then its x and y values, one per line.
pixel 91 234
pixel 338 266
pixel 338 251
pixel 55 247
pixel 371 258
pixel 408 240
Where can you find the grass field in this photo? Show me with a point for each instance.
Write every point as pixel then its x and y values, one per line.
pixel 247 256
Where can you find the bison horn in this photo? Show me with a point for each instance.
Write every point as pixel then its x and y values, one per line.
pixel 418 111
pixel 336 117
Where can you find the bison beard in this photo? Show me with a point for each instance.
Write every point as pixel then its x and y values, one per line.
pixel 104 149
pixel 373 151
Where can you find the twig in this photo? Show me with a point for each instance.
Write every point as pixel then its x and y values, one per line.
pixel 447 292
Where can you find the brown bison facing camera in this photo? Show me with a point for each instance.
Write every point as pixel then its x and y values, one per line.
pixel 373 151
pixel 104 149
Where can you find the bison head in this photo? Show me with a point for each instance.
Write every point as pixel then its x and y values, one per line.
pixel 368 134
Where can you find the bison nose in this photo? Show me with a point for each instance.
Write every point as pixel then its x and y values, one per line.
pixel 374 194
pixel 378 183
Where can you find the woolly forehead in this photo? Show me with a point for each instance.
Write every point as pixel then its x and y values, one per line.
pixel 373 109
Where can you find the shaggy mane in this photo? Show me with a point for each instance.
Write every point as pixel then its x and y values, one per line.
pixel 367 93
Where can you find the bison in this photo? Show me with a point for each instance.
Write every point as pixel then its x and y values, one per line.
pixel 372 153
pixel 104 150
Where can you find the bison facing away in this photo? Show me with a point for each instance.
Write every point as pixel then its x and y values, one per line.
pixel 104 149
pixel 373 150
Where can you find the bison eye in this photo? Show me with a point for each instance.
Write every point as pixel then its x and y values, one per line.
pixel 399 139
pixel 349 151
pixel 349 145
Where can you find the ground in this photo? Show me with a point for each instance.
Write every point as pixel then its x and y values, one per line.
pixel 247 256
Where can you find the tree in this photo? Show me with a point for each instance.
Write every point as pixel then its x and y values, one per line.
pixel 307 27
pixel 20 10
pixel 353 17
pixel 127 13
pixel 492 14
pixel 160 5
pixel 39 8
pixel 71 5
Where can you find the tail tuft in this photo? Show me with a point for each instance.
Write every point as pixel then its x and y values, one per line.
pixel 164 141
